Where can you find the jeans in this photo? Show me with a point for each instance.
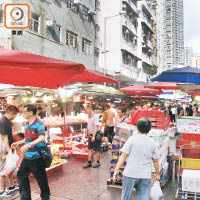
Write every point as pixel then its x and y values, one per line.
pixel 37 168
pixel 143 188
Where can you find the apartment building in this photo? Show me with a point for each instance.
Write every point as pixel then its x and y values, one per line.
pixel 174 33
pixel 188 54
pixel 125 38
pixel 62 29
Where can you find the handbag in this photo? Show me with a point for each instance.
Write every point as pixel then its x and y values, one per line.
pixel 99 136
pixel 46 156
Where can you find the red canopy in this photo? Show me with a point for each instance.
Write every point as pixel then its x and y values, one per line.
pixel 92 76
pixel 25 69
pixel 140 90
pixel 164 86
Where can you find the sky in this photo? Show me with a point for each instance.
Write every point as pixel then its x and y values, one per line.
pixel 192 25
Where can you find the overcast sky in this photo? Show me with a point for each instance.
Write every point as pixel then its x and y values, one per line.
pixel 192 25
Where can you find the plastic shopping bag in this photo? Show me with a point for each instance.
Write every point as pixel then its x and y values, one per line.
pixel 156 192
pixel 11 162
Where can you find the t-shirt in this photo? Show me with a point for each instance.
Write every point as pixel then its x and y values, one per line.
pixel 32 132
pixel 173 111
pixel 92 122
pixel 6 128
pixel 140 149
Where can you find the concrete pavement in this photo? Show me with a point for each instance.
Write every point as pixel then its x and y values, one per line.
pixel 76 183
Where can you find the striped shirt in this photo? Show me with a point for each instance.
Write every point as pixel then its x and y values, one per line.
pixel 32 132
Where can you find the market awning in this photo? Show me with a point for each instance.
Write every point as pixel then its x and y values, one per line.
pixel 164 86
pixel 25 69
pixel 140 90
pixel 180 75
pixel 92 76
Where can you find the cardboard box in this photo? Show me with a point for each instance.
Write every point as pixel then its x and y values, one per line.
pixel 191 180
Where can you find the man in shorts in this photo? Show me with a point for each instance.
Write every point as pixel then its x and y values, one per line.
pixel 6 139
pixel 92 128
pixel 108 122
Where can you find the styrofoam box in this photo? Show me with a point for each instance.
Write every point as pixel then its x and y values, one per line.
pixel 191 180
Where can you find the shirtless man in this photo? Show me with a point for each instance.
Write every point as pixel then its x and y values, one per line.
pixel 108 123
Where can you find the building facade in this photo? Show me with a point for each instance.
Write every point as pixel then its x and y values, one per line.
pixel 125 38
pixel 188 54
pixel 58 29
pixel 159 7
pixel 174 33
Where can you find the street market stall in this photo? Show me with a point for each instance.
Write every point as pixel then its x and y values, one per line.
pixel 25 69
pixel 159 133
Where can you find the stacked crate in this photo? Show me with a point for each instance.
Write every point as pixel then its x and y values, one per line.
pixel 158 118
pixel 117 144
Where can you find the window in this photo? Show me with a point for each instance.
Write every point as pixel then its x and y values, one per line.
pixel 34 23
pixel 84 12
pixel 76 8
pixel 1 14
pixel 53 32
pixel 129 59
pixel 86 46
pixel 69 3
pixel 72 39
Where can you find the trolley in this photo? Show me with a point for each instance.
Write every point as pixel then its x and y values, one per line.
pixel 189 159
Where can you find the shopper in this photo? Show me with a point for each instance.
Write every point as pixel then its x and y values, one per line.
pixel 6 139
pixel 120 115
pixel 173 110
pixel 139 151
pixel 108 122
pixel 41 113
pixel 93 146
pixel 32 162
pixel 180 111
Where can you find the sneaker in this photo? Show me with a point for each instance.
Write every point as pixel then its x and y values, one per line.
pixel 97 164
pixel 13 189
pixel 5 194
pixel 89 165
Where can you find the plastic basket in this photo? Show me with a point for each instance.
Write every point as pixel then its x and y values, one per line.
pixel 190 163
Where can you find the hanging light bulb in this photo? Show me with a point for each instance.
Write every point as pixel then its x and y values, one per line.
pixel 33 99
pixel 45 99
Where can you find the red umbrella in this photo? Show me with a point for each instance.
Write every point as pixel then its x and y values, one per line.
pixel 92 76
pixel 25 69
pixel 144 97
pixel 164 86
pixel 140 90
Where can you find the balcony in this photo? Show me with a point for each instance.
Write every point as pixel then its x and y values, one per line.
pixel 146 59
pixel 149 44
pixel 146 6
pixel 147 23
pixel 126 21
pixel 129 47
pixel 132 5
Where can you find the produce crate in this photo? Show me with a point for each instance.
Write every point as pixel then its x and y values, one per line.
pixel 191 153
pixel 191 136
pixel 190 163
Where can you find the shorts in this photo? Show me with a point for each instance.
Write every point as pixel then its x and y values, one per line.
pixel 109 133
pixel 96 146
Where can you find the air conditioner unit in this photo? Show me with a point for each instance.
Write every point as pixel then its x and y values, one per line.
pixel 50 22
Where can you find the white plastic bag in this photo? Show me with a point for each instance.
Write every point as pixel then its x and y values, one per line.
pixel 156 192
pixel 11 162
